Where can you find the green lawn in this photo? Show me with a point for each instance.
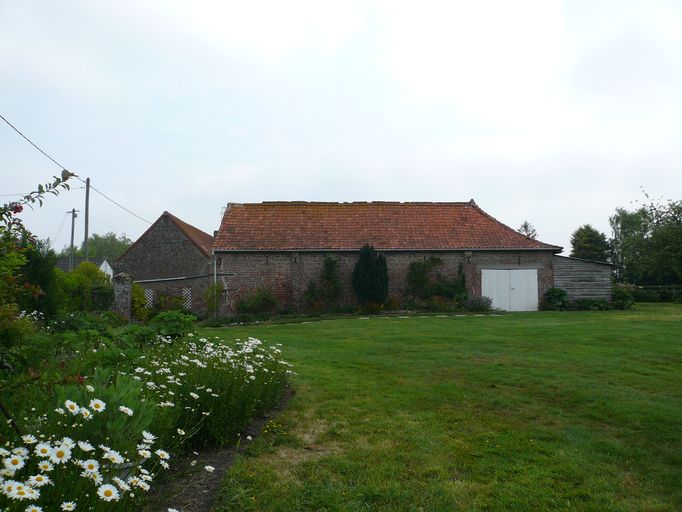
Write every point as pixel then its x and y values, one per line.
pixel 537 411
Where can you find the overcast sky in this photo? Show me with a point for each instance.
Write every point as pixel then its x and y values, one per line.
pixel 547 111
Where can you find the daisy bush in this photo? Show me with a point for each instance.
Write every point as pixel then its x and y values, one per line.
pixel 99 439
pixel 206 390
pixel 45 470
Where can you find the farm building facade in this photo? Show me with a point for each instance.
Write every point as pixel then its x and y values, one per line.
pixel 281 247
pixel 172 261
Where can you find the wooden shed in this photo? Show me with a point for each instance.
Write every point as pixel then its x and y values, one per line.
pixel 583 279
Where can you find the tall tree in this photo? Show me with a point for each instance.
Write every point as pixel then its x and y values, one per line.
pixel 629 245
pixel 370 276
pixel 528 229
pixel 589 244
pixel 647 243
pixel 108 246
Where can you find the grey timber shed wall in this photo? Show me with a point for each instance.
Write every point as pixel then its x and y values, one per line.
pixel 582 279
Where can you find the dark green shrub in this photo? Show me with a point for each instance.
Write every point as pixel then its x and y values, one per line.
pixel 622 298
pixel 323 295
pixel 87 288
pixel 420 284
pixel 83 321
pixel 418 277
pixel 646 295
pixel 213 296
pixel 138 335
pixel 259 301
pixel 370 276
pixel 477 304
pixel 556 299
pixel 139 304
pixel 172 324
pixel 392 304
pixel 371 308
pixel 591 305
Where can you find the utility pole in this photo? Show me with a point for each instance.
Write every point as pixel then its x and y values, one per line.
pixel 87 217
pixel 73 225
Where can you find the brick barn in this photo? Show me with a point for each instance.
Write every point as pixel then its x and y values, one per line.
pixel 281 246
pixel 173 261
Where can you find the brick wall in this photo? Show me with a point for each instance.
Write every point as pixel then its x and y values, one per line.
pixel 165 252
pixel 287 274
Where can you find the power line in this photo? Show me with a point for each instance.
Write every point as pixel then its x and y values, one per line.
pixel 117 204
pixel 31 142
pixel 64 168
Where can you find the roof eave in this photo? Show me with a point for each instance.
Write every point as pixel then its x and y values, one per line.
pixel 554 249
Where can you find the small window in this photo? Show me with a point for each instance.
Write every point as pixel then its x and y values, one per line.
pixel 148 298
pixel 187 298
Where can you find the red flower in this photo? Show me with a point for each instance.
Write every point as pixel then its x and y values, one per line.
pixel 17 208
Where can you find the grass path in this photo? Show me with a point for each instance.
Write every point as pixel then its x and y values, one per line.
pixel 541 411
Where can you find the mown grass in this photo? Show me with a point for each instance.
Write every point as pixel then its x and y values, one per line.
pixel 539 411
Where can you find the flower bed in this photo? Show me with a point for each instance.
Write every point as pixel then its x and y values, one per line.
pixel 97 441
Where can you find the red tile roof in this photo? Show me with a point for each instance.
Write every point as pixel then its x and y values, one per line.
pixel 282 226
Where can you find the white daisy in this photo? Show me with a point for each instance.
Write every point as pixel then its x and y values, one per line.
pixel 43 450
pixel 162 454
pixel 108 492
pixel 126 410
pixel 90 466
pixel 45 466
pixel 68 505
pixel 72 407
pixel 97 405
pixel 39 480
pixel 60 454
pixel 29 439
pixel 210 469
pixel 85 446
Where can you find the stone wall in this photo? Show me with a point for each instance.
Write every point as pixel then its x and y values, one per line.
pixel 163 255
pixel 287 274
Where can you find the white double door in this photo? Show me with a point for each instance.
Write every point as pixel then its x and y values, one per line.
pixel 511 289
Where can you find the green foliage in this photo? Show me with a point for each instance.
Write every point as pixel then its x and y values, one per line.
pixel 647 243
pixel 260 301
pixel 477 304
pixel 419 284
pixel 140 335
pixel 436 294
pixel 622 297
pixel 370 276
pixel 556 299
pixel 589 244
pixel 15 328
pixel 591 305
pixel 40 271
pixel 139 304
pixel 86 288
pixel 324 296
pixel 108 246
pixel 213 297
pixel 172 324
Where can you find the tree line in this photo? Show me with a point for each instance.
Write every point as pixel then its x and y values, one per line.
pixel 645 243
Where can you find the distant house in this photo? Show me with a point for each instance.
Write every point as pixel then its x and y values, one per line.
pixel 172 261
pixel 281 246
pixel 102 264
